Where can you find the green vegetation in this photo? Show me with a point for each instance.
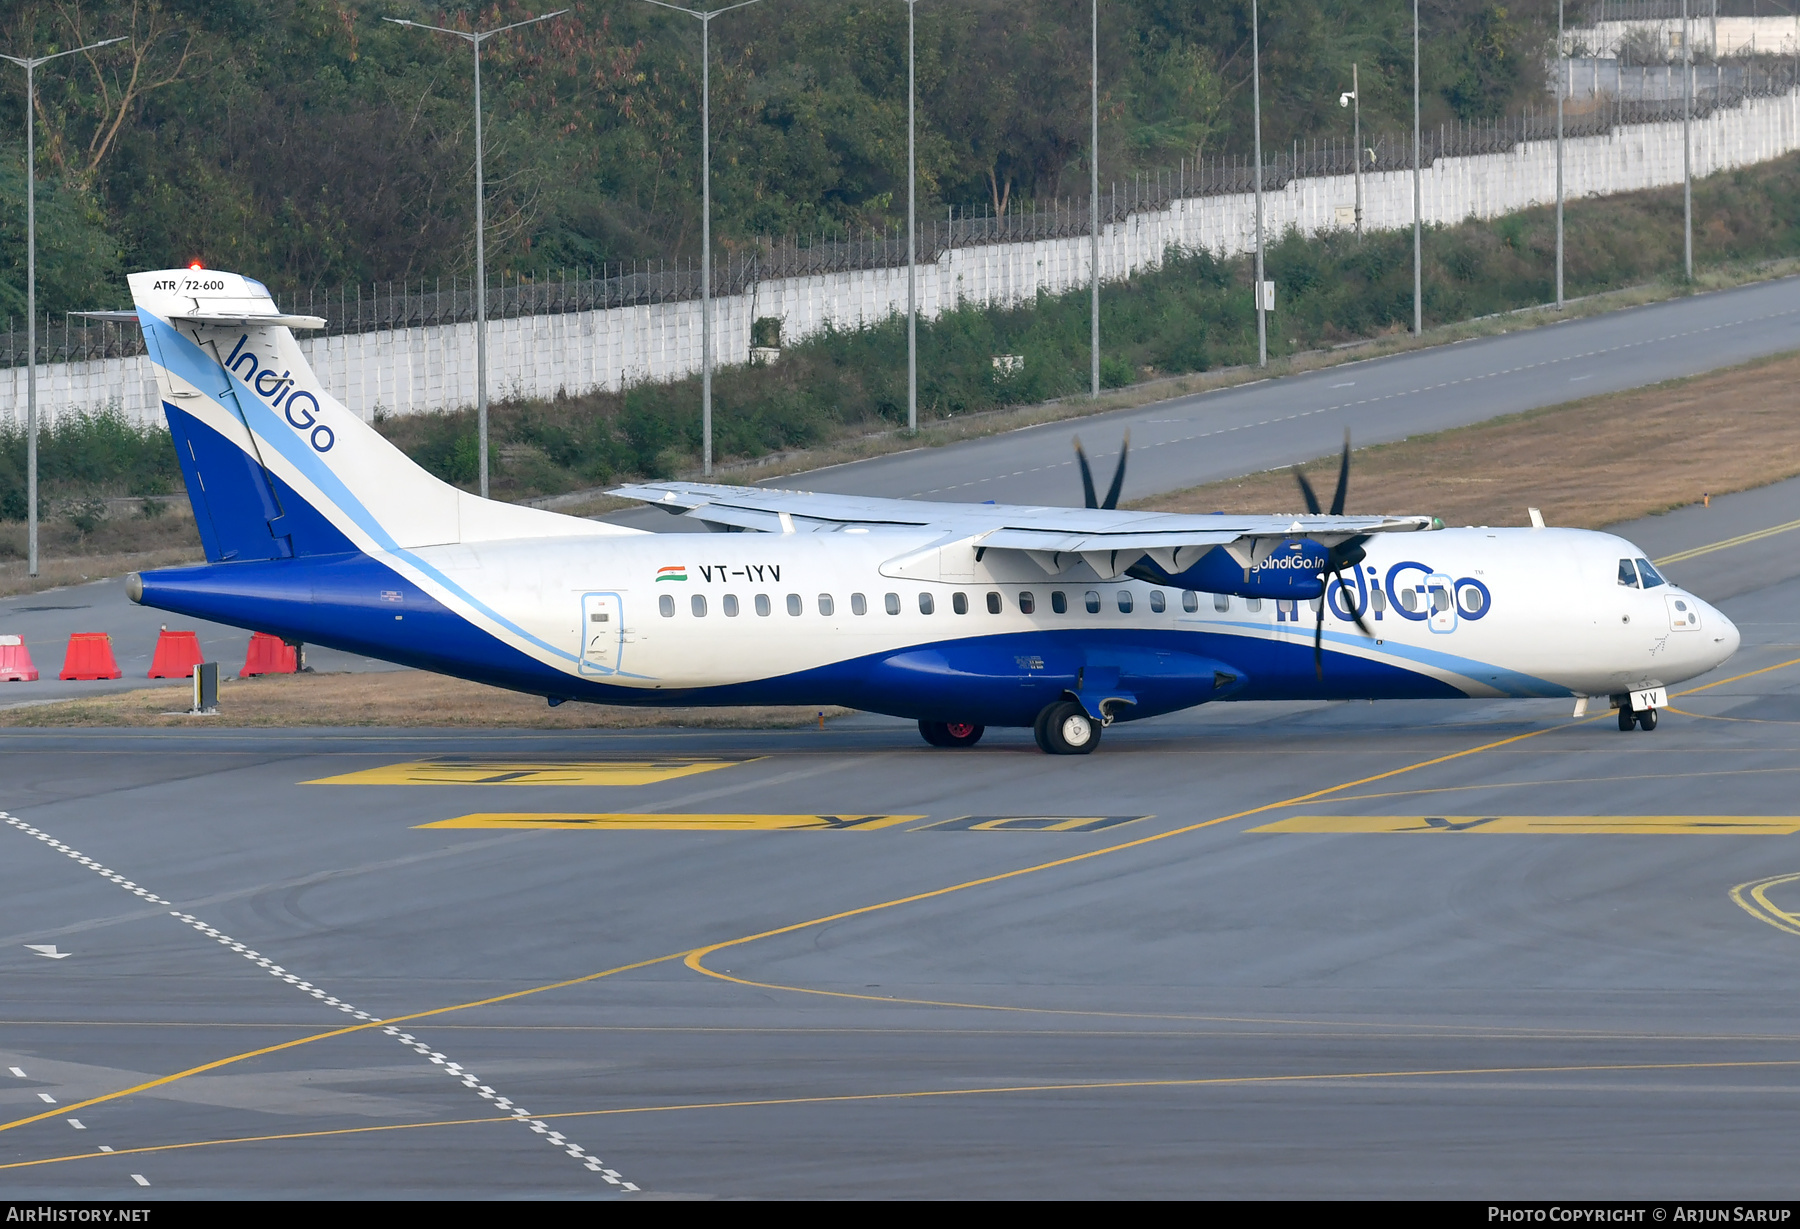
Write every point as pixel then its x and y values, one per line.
pixel 311 144
pixel 1191 315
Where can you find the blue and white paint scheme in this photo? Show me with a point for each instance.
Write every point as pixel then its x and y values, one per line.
pixel 960 616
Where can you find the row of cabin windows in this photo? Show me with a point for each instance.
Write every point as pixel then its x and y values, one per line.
pixel 959 602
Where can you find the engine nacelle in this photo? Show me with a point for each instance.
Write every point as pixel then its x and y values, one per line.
pixel 1291 571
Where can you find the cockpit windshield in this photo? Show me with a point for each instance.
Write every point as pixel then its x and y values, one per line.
pixel 1638 574
pixel 1650 576
pixel 1628 574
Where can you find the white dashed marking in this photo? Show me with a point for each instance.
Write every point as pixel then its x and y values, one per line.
pixel 19 1071
pixel 46 1098
pixel 456 1070
pixel 77 1124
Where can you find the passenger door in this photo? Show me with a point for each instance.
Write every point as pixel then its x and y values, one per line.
pixel 602 633
pixel 1440 593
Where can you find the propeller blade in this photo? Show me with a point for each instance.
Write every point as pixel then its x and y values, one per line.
pixel 1118 482
pixel 1356 613
pixel 1319 641
pixel 1343 486
pixel 1306 491
pixel 1087 475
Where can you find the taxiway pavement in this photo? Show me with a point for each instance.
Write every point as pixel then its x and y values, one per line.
pixel 1251 950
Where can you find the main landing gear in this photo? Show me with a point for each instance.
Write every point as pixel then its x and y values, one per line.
pixel 1643 719
pixel 951 733
pixel 1064 728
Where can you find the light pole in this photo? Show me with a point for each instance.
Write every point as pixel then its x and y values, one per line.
pixel 475 39
pixel 912 237
pixel 1687 159
pixel 704 17
pixel 1262 316
pixel 30 64
pixel 1344 100
pixel 1094 201
pixel 1562 85
pixel 1418 224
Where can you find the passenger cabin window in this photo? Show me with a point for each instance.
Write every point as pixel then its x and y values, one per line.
pixel 1059 601
pixel 1221 601
pixel 826 605
pixel 728 604
pixel 893 603
pixel 859 605
pixel 762 605
pixel 1628 574
pixel 1377 598
pixel 959 602
pixel 1093 602
pixel 1027 602
pixel 1124 601
pixel 1158 602
pixel 1253 605
pixel 794 604
pixel 993 603
pixel 1650 575
pixel 1472 601
pixel 697 604
pixel 1409 598
pixel 1440 598
pixel 926 605
pixel 666 604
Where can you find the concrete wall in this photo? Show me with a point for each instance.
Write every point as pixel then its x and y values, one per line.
pixel 406 371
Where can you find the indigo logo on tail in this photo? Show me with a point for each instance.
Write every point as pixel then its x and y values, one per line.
pixel 301 408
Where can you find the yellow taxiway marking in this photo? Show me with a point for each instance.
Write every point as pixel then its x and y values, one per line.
pixel 1753 899
pixel 674 823
pixel 1740 540
pixel 1030 823
pixel 1578 825
pixel 922 1094
pixel 527 772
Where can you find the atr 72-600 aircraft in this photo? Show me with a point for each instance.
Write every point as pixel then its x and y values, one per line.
pixel 960 616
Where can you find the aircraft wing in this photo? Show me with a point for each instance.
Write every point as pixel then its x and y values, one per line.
pixel 1109 540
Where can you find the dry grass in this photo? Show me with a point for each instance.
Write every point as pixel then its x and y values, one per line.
pixel 392 698
pixel 1587 464
pixel 56 573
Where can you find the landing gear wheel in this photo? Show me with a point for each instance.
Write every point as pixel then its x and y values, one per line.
pixel 951 733
pixel 1627 717
pixel 1646 720
pixel 1064 728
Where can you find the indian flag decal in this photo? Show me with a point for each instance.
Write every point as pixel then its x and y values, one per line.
pixel 671 573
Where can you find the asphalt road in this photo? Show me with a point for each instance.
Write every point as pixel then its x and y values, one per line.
pixel 1249 428
pixel 933 1008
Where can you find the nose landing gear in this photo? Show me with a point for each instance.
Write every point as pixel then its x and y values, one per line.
pixel 1643 719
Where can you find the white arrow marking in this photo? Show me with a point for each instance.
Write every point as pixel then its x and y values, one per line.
pixel 46 949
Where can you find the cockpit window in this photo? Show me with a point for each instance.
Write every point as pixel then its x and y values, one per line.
pixel 1651 576
pixel 1628 574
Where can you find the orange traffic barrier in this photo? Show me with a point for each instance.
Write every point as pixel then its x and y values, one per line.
pixel 90 656
pixel 268 655
pixel 177 653
pixel 15 661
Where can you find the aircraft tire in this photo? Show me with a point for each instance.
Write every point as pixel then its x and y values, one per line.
pixel 1646 720
pixel 951 733
pixel 1627 718
pixel 1066 729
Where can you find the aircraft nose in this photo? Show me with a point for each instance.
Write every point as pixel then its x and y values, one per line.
pixel 1725 635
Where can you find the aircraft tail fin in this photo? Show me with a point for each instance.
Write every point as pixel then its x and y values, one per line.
pixel 274 465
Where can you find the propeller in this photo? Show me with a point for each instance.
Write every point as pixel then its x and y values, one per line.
pixel 1346 554
pixel 1087 475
